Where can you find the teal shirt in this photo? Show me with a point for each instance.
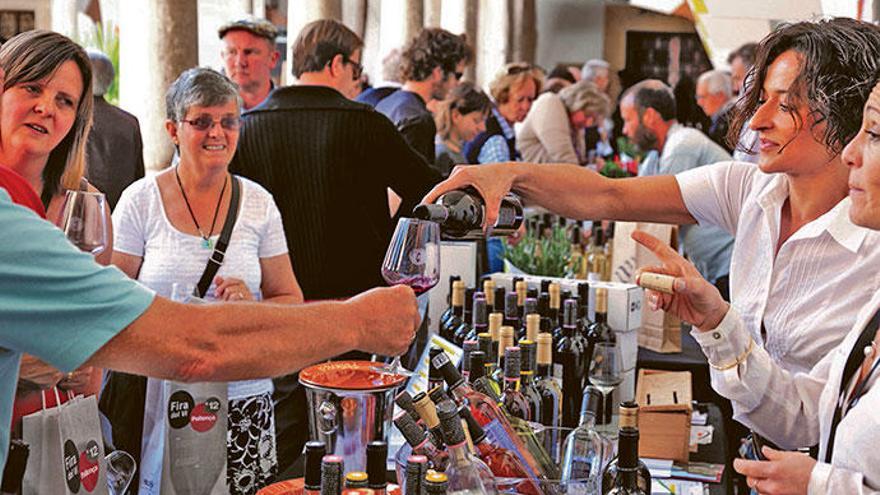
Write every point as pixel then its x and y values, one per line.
pixel 56 303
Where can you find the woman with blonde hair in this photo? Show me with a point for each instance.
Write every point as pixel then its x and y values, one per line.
pixel 45 118
pixel 553 131
pixel 459 118
pixel 513 90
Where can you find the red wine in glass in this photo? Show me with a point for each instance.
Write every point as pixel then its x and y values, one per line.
pixel 419 283
pixel 413 259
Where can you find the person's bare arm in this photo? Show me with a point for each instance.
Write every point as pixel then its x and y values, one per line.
pixel 279 282
pixel 572 191
pixel 238 341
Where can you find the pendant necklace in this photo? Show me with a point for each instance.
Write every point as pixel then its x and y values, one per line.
pixel 207 243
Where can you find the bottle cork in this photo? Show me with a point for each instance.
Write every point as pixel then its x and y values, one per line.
pixel 506 339
pixel 554 290
pixel 495 321
pixel 533 326
pixel 629 415
pixel 657 281
pixel 521 290
pixel 489 290
pixel 426 409
pixel 545 348
pixel 601 300
pixel 458 293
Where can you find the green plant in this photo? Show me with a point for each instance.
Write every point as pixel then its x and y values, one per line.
pixel 549 256
pixel 105 38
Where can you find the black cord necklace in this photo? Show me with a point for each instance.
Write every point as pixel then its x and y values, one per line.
pixel 207 243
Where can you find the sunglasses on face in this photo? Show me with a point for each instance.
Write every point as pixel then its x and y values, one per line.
pixel 515 69
pixel 206 122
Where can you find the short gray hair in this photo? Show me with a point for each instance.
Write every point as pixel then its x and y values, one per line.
pixel 102 71
pixel 593 67
pixel 198 86
pixel 717 81
pixel 585 95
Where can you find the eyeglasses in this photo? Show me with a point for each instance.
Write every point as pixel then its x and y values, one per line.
pixel 356 68
pixel 206 122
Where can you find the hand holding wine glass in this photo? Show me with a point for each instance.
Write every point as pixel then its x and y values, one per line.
pixel 413 259
pixel 84 220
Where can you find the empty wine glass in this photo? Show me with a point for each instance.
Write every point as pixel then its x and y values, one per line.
pixel 120 471
pixel 84 220
pixel 413 259
pixel 606 369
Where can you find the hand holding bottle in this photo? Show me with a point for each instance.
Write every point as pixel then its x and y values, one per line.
pixel 783 472
pixel 694 299
pixel 385 319
pixel 493 181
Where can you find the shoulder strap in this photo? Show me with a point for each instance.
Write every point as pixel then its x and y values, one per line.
pixel 219 253
pixel 853 362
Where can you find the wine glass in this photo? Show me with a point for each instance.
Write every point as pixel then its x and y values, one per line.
pixel 120 471
pixel 84 220
pixel 606 369
pixel 413 259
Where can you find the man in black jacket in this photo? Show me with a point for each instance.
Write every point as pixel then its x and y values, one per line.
pixel 432 63
pixel 330 163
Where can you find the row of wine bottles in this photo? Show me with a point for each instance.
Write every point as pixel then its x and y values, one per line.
pixel 542 377
pixel 476 439
pixel 325 473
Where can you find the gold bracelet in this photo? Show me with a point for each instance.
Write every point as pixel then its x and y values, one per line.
pixel 739 360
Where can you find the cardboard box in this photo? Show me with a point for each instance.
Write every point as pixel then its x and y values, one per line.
pixel 664 399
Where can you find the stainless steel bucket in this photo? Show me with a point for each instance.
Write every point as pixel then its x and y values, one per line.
pixel 349 406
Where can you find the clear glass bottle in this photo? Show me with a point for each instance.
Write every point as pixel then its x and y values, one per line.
pixel 466 473
pixel 585 450
pixel 626 474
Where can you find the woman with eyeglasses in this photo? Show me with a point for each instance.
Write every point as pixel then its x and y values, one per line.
pixel 167 226
pixel 513 90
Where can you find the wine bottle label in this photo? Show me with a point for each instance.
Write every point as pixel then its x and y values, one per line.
pixel 439 360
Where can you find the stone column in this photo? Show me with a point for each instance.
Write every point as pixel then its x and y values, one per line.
pixel 400 20
pixel 461 16
pixel 493 40
pixel 523 35
pixel 354 15
pixel 64 17
pixel 158 40
pixel 304 12
pixel 433 13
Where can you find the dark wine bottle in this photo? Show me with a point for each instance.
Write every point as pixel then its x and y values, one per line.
pixel 512 397
pixel 599 331
pixel 504 342
pixel 461 212
pixel 547 323
pixel 480 321
pixel 551 393
pixel 527 386
pixel 377 454
pixel 555 306
pixel 456 312
pixel 626 474
pixel 314 453
pixel 569 367
pixel 434 377
pixel 521 288
pixel 467 348
pixel 511 311
pixel 500 298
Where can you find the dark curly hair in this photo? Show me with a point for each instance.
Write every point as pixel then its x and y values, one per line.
pixel 840 59
pixel 433 47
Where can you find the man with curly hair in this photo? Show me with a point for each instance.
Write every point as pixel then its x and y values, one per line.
pixel 432 64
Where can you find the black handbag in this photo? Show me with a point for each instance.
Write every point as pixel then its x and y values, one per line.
pixel 123 395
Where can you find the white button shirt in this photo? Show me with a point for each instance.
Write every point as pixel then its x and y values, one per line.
pixel 808 294
pixel 796 409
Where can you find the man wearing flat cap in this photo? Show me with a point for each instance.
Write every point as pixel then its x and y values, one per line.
pixel 249 55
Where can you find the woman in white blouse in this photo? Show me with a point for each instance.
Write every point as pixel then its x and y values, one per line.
pixel 836 403
pixel 794 242
pixel 166 227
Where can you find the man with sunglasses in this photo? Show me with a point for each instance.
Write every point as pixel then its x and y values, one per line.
pixel 432 64
pixel 329 162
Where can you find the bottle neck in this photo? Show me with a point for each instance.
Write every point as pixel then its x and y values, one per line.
pixel 601 317
pixel 628 448
pixel 588 420
pixel 526 378
pixel 545 370
pixel 511 384
pixel 458 453
pixel 457 310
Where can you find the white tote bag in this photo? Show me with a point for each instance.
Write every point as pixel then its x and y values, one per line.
pixel 67 450
pixel 184 444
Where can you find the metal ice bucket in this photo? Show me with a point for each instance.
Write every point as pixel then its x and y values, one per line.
pixel 349 406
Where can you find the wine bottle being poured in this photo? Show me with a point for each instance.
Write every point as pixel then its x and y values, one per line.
pixel 461 212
